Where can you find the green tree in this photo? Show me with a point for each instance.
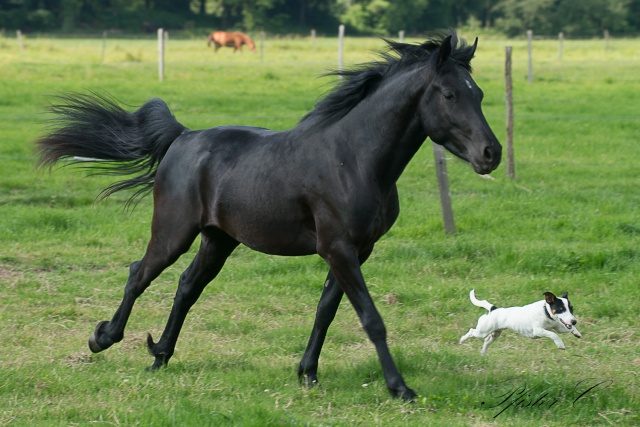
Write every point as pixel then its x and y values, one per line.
pixel 592 17
pixel 70 14
pixel 382 17
pixel 517 16
pixel 364 16
pixel 577 18
pixel 173 6
pixel 407 15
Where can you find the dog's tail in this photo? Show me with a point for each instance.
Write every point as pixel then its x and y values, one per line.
pixel 484 303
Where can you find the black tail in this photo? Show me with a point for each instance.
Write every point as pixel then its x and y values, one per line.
pixel 95 128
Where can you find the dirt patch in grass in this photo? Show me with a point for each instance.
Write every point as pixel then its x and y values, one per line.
pixel 8 276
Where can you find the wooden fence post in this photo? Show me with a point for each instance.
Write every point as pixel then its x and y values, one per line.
pixel 511 173
pixel 530 49
pixel 160 54
pixel 262 35
pixel 340 45
pixel 560 45
pixel 443 186
pixel 104 45
pixel 20 41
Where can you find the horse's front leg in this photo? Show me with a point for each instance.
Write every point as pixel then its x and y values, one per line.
pixel 342 258
pixel 327 308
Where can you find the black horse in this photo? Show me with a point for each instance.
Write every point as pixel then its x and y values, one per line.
pixel 326 187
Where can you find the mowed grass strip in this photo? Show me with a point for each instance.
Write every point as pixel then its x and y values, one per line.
pixel 569 222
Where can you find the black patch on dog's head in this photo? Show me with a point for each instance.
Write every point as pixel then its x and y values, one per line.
pixel 556 304
pixel 566 295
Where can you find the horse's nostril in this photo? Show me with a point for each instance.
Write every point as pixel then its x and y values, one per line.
pixel 488 154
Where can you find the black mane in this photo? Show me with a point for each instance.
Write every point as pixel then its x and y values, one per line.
pixel 362 80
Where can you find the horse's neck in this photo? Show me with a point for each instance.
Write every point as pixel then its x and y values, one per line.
pixel 390 130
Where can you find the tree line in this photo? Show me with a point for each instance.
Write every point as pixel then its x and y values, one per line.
pixel 583 18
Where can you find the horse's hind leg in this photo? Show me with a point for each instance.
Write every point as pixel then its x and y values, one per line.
pixel 214 251
pixel 169 240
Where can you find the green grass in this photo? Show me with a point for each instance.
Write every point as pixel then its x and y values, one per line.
pixel 569 222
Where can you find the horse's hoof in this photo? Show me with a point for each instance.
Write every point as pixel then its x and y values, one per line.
pixel 155 367
pixel 93 339
pixel 409 396
pixel 406 394
pixel 310 381
pixel 162 358
pixel 93 345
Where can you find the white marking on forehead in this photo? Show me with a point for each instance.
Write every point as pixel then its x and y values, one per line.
pixel 468 84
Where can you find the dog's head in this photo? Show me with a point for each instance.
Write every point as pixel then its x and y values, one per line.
pixel 561 310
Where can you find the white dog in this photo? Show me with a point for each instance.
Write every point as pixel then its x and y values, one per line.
pixel 535 320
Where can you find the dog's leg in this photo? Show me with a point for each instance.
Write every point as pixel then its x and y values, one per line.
pixel 482 329
pixel 472 333
pixel 575 332
pixel 543 333
pixel 488 340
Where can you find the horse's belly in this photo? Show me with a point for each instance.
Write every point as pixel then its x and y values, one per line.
pixel 275 228
pixel 279 244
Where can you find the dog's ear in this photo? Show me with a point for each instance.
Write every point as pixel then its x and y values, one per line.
pixel 549 298
pixel 565 295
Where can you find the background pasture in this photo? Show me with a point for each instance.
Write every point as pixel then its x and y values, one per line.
pixel 569 222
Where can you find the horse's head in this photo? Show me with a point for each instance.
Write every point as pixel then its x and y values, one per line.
pixel 247 40
pixel 451 112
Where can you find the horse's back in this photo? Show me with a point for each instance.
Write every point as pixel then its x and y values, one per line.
pixel 220 37
pixel 225 38
pixel 214 147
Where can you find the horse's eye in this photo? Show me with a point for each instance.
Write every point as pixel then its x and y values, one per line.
pixel 449 96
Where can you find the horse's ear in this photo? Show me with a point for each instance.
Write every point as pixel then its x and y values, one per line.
pixel 444 52
pixel 474 47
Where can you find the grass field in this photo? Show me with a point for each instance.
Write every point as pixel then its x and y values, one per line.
pixel 569 222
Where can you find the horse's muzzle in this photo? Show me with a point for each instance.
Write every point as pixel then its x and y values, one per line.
pixel 489 159
pixel 483 160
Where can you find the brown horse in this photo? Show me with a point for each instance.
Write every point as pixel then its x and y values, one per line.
pixel 234 40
